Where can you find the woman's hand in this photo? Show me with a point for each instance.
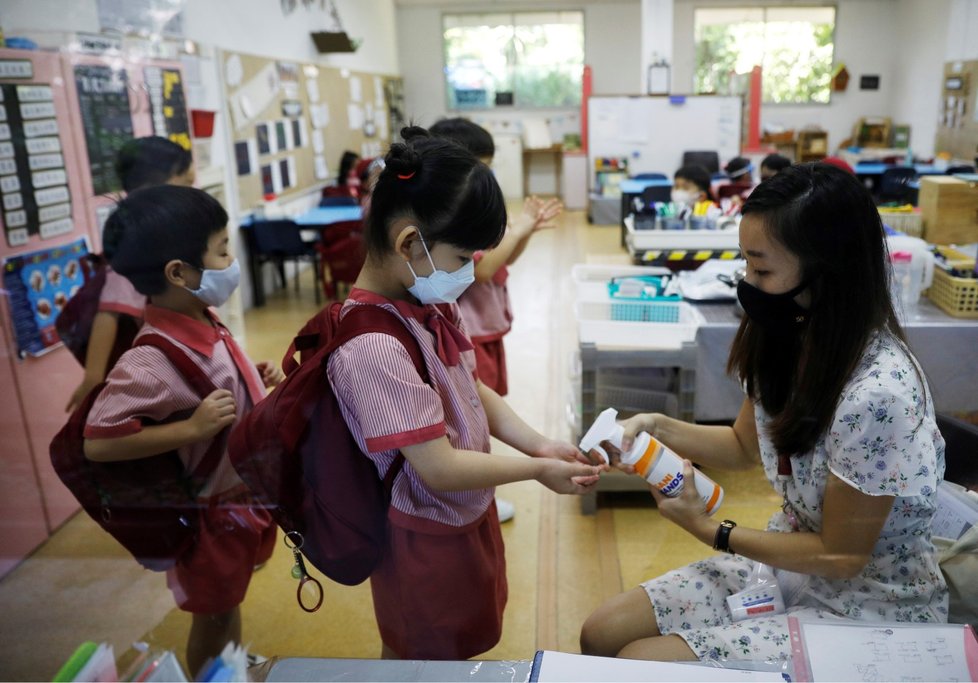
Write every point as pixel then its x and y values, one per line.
pixel 643 422
pixel 271 374
pixel 686 510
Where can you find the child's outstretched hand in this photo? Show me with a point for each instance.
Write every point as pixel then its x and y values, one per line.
pixel 546 212
pixel 271 374
pixel 214 413
pixel 568 452
pixel 569 477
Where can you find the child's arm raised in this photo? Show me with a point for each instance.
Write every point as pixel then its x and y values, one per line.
pixel 105 326
pixel 214 413
pixel 446 469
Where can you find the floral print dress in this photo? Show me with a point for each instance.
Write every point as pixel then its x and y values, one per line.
pixel 883 441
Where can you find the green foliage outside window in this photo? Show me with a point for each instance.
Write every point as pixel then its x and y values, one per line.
pixel 795 54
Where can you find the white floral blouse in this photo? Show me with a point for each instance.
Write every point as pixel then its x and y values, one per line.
pixel 883 441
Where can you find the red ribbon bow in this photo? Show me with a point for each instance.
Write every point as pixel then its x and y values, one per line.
pixel 450 342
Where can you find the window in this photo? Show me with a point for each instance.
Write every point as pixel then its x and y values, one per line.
pixel 793 46
pixel 528 59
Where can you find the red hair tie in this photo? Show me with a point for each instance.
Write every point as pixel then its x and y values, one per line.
pixel 406 176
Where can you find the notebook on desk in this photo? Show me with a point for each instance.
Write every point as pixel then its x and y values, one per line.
pixel 550 667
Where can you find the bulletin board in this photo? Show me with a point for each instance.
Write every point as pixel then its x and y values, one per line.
pixel 291 123
pixel 957 125
pixel 653 132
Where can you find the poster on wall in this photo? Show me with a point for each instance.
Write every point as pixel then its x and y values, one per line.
pixel 167 104
pixel 33 181
pixel 39 284
pixel 103 97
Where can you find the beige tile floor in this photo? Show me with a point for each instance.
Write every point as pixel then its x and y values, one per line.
pixel 561 564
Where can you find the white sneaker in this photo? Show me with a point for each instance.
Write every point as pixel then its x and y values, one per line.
pixel 505 509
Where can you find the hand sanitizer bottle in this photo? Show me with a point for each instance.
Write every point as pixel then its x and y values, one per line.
pixel 652 460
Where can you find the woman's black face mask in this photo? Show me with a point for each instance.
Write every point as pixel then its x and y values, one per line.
pixel 772 311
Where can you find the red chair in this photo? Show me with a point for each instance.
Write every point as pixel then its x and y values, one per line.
pixel 342 253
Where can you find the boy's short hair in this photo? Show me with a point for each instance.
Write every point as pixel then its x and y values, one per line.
pixel 471 136
pixel 696 174
pixel 156 225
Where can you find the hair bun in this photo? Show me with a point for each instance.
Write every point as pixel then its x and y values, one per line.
pixel 403 159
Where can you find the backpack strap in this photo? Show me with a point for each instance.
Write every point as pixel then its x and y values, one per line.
pixel 200 383
pixel 365 319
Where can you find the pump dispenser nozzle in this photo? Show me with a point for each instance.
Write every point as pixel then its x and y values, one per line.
pixel 605 428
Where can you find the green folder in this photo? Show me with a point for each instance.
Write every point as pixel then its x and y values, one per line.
pixel 80 658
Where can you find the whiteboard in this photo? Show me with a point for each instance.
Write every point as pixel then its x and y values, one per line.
pixel 653 132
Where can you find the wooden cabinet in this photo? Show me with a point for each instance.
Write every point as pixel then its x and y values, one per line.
pixel 811 145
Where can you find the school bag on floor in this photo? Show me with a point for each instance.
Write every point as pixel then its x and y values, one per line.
pixel 298 457
pixel 74 322
pixel 149 505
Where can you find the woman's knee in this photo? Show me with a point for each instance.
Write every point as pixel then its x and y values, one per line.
pixel 617 622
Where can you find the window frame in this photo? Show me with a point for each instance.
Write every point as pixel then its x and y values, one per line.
pixel 512 14
pixel 764 7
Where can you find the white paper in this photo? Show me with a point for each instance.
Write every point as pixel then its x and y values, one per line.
pixel 255 96
pixel 322 169
pixel 635 122
pixel 312 89
pixel 956 511
pixel 378 91
pixel 233 71
pixel 561 666
pixel 885 652
pixel 381 119
pixel 276 179
pixel 319 115
pixel 356 89
pixel 355 115
pixel 536 134
pixel 318 144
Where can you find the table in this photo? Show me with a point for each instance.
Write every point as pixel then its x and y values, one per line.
pixel 318 217
pixel 946 347
pixel 311 669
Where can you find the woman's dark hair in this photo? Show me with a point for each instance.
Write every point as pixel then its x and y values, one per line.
pixel 827 219
pixel 156 225
pixel 452 195
pixel 471 136
pixel 776 162
pixel 148 161
pixel 347 162
pixel 698 175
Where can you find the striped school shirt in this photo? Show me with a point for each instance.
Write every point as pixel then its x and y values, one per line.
pixel 386 405
pixel 143 387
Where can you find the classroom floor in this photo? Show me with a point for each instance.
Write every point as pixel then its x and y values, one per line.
pixel 561 564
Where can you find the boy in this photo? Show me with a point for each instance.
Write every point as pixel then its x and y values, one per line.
pixel 485 305
pixel 174 250
pixel 691 185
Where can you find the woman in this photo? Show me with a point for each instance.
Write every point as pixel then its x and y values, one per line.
pixel 839 416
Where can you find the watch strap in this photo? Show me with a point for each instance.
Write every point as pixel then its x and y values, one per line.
pixel 721 541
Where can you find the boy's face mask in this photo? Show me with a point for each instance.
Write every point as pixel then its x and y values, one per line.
pixel 441 287
pixel 216 286
pixel 683 197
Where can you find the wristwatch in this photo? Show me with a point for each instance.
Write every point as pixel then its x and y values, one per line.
pixel 721 541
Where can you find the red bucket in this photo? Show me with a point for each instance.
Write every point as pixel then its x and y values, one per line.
pixel 202 122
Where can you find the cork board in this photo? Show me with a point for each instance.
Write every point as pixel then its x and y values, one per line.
pixel 291 122
pixel 957 125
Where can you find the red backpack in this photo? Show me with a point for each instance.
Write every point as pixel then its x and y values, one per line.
pixel 297 455
pixel 74 323
pixel 150 504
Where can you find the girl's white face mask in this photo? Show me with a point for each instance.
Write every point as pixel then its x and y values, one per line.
pixel 441 287
pixel 683 197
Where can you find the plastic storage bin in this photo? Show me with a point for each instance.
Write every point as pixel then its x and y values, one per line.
pixel 908 222
pixel 636 325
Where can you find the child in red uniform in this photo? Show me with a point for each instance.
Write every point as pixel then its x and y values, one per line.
pixel 174 249
pixel 142 162
pixel 440 589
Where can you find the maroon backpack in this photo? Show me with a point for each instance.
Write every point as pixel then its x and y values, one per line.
pixel 74 322
pixel 150 504
pixel 297 455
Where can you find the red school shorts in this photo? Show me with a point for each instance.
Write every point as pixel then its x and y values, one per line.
pixel 440 591
pixel 490 359
pixel 235 535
